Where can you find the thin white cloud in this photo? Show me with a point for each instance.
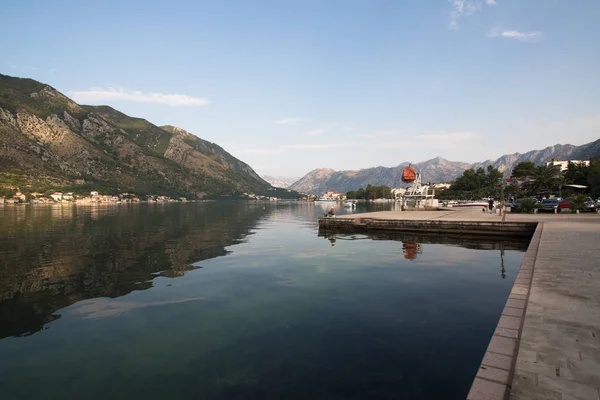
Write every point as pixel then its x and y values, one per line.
pixel 448 137
pixel 465 8
pixel 316 132
pixel 439 139
pixel 100 95
pixel 25 67
pixel 290 121
pixel 531 37
pixel 284 148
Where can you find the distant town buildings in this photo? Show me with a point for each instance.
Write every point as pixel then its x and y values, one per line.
pixel 441 185
pixel 94 197
pixel 333 195
pixel 564 164
pixel 519 180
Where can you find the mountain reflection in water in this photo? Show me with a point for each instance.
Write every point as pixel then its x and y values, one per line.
pixel 54 256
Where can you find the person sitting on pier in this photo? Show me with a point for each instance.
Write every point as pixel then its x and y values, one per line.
pixel 331 212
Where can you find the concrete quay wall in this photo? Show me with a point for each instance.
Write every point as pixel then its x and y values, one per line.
pixel 491 228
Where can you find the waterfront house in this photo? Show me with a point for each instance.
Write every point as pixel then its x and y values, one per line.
pixel 333 195
pixel 56 196
pixel 19 197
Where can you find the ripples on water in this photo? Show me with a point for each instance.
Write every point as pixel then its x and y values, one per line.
pixel 239 301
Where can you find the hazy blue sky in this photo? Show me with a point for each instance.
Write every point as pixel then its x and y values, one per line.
pixel 289 86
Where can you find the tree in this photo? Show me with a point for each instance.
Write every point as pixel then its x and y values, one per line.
pixel 478 183
pixel 371 193
pixel 494 177
pixel 514 189
pixel 524 168
pixel 593 178
pixel 577 174
pixel 546 177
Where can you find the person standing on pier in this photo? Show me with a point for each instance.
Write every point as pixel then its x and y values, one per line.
pixel 491 204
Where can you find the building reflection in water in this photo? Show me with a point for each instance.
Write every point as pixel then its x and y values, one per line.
pixel 411 249
pixel 412 244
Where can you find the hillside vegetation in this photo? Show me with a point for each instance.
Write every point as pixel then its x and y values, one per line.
pixel 49 142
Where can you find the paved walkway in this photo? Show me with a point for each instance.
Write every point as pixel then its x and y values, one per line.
pixel 558 351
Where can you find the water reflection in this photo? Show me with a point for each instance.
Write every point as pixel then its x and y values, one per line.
pixel 54 256
pixel 284 315
pixel 411 249
pixel 413 244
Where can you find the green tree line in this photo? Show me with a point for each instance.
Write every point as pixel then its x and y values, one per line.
pixel 371 193
pixel 539 180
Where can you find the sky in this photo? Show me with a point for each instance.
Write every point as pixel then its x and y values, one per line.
pixel 290 86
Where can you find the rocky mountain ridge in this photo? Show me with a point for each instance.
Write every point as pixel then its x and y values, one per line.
pixel 49 141
pixel 280 182
pixel 437 169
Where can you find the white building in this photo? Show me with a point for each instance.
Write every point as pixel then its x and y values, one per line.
pixel 441 185
pixel 56 196
pixel 565 164
pixel 398 192
pixel 333 195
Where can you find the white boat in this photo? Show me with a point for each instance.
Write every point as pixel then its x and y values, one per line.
pixel 476 203
pixel 351 204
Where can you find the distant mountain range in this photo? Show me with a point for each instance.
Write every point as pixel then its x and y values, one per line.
pixel 47 141
pixel 280 181
pixel 435 170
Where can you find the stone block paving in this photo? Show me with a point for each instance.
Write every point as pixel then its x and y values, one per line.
pixel 559 350
pixel 495 374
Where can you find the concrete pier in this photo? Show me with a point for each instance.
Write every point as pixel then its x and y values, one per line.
pixel 547 342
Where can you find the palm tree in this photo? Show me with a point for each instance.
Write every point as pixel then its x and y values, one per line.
pixel 546 177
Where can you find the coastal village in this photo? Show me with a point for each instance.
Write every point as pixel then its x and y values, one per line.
pixel 94 197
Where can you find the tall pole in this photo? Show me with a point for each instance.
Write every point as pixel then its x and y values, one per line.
pixel 502 205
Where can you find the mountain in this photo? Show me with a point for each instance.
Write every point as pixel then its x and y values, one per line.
pixel 320 180
pixel 279 181
pixel 435 170
pixel 47 142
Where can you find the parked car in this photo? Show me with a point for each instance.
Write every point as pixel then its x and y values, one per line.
pixel 597 203
pixel 590 205
pixel 567 204
pixel 550 205
pixel 525 204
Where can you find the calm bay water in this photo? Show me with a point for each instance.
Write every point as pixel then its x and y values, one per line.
pixel 239 301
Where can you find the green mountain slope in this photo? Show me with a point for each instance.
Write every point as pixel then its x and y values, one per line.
pixel 47 141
